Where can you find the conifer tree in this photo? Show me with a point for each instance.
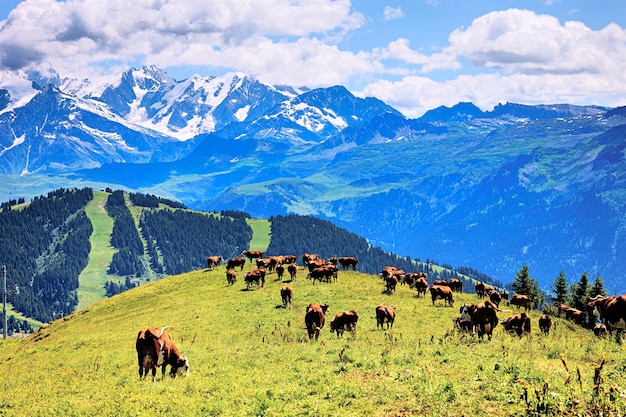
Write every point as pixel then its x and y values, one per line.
pixel 524 284
pixel 560 289
pixel 581 293
pixel 597 287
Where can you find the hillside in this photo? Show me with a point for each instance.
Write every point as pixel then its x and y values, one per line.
pixel 248 356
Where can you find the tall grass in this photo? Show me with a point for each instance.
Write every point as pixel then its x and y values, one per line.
pixel 250 357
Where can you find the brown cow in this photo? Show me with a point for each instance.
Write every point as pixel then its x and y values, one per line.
pixel 290 259
pixel 495 297
pixel 292 268
pixel 421 285
pixel 316 263
pixel 256 276
pixel 441 292
pixel 385 314
pixel 252 254
pixel 480 289
pixel 600 331
pixel 264 263
pixel 345 320
pixel 522 300
pixel 308 257
pixel 456 285
pixel 156 348
pixel 280 271
pixel 326 273
pixel 213 261
pixel 236 262
pixel 612 311
pixel 285 294
pixel 231 276
pixel 391 281
pixel 314 319
pixel 483 315
pixel 545 322
pixel 518 324
pixel 348 262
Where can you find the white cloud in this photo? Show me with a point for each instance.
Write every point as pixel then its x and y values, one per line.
pixel 391 13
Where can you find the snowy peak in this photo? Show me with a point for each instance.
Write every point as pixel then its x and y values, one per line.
pixel 16 90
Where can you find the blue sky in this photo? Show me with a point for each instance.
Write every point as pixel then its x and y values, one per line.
pixel 413 54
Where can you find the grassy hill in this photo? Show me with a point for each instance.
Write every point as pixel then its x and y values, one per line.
pixel 250 357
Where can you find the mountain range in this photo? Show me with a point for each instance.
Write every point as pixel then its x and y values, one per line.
pixel 540 185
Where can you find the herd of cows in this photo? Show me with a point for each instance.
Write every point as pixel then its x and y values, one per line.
pixel 155 347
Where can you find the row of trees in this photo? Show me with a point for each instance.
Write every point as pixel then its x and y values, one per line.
pixel 125 238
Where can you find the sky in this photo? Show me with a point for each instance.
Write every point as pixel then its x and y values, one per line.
pixel 415 55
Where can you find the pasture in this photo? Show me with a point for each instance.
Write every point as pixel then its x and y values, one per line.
pixel 251 357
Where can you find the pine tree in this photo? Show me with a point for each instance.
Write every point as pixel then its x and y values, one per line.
pixel 597 288
pixel 581 293
pixel 560 289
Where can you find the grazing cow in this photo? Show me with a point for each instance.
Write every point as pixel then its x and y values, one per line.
pixel 345 320
pixel 421 285
pixel 518 324
pixel 280 271
pixel 464 326
pixel 440 292
pixel 292 268
pixel 348 262
pixel 612 311
pixel 480 289
pixel 285 294
pixel 252 254
pixel 256 276
pixel 316 263
pixel 308 257
pixel 156 348
pixel 213 261
pixel 495 298
pixel 264 263
pixel 231 276
pixel 600 331
pixel 545 322
pixel 522 300
pixel 391 281
pixel 314 319
pixel 326 273
pixel 385 314
pixel 236 262
pixel 483 315
pixel 456 285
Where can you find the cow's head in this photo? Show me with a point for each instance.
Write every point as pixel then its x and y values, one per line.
pixel 465 313
pixel 181 368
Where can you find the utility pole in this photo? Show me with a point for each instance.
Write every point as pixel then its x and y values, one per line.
pixel 4 299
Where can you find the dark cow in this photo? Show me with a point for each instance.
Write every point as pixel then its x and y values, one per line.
pixel 290 259
pixel 480 289
pixel 612 311
pixel 522 300
pixel 441 292
pixel 256 276
pixel 231 276
pixel 464 326
pixel 316 263
pixel 495 298
pixel 456 285
pixel 292 268
pixel 280 271
pixel 324 273
pixel 441 282
pixel 421 285
pixel 385 314
pixel 213 261
pixel 518 324
pixel 236 262
pixel 545 322
pixel 252 254
pixel 343 321
pixel 156 348
pixel 483 315
pixel 286 293
pixel 314 319
pixel 391 281
pixel 264 263
pixel 600 331
pixel 308 257
pixel 348 262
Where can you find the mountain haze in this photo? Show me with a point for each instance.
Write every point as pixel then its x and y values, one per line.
pixel 538 185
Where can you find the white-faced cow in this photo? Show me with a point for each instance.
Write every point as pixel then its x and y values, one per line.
pixel 344 321
pixel 385 314
pixel 314 319
pixel 156 348
pixel 483 315
pixel 612 311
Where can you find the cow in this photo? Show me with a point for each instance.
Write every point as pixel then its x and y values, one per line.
pixel 316 263
pixel 495 298
pixel 600 331
pixel 156 348
pixel 421 285
pixel 441 292
pixel 385 314
pixel 264 263
pixel 522 300
pixel 480 289
pixel 252 254
pixel 348 262
pixel 231 276
pixel 483 315
pixel 290 259
pixel 286 293
pixel 391 281
pixel 236 262
pixel 456 285
pixel 307 257
pixel 612 311
pixel 256 276
pixel 464 326
pixel 280 271
pixel 314 319
pixel 545 322
pixel 518 324
pixel 213 261
pixel 345 320
pixel 292 268
pixel 326 273
pixel 441 282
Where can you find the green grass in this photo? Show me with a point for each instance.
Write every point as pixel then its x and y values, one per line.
pixel 92 279
pixel 260 234
pixel 249 357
